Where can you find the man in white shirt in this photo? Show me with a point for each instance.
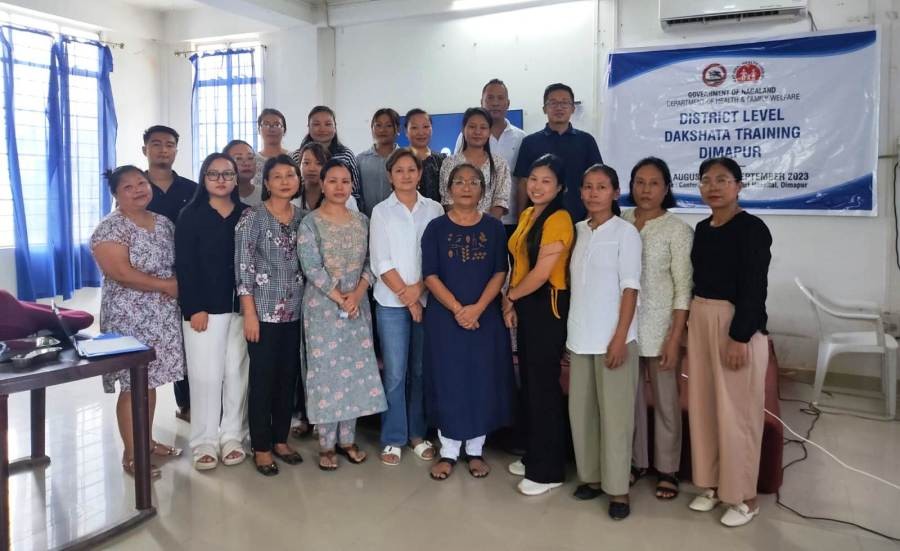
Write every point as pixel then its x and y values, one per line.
pixel 505 140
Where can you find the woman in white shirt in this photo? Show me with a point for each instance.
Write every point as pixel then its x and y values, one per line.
pixel 396 257
pixel 602 341
pixel 666 283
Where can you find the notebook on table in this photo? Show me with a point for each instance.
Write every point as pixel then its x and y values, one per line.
pixel 105 344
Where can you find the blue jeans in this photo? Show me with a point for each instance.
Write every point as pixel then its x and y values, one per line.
pixel 401 351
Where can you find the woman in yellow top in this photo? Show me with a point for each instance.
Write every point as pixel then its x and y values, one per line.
pixel 537 304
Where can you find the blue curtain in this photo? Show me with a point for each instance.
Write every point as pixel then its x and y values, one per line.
pixel 56 205
pixel 223 100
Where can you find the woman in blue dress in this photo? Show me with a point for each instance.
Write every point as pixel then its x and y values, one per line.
pixel 468 357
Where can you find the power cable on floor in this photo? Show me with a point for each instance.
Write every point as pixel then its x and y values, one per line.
pixel 802 441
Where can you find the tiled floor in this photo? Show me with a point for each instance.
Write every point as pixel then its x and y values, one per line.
pixel 375 507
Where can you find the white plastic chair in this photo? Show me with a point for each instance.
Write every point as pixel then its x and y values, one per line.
pixel 867 338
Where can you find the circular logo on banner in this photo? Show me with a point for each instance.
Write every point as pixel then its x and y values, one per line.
pixel 748 71
pixel 714 74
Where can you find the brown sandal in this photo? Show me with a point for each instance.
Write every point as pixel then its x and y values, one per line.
pixel 352 453
pixel 331 457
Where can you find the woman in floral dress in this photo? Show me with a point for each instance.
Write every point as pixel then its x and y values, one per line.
pixel 342 380
pixel 135 249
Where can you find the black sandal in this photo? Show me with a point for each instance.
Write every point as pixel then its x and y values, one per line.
pixel 636 474
pixel 451 462
pixel 341 450
pixel 473 472
pixel 267 470
pixel 292 458
pixel 618 510
pixel 669 493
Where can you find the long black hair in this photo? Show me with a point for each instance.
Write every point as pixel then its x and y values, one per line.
pixel 335 146
pixel 668 201
pixel 613 176
pixel 533 238
pixel 201 196
pixel 479 111
pixel 280 159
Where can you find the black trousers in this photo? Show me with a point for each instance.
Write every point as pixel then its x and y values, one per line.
pixel 183 392
pixel 541 340
pixel 274 364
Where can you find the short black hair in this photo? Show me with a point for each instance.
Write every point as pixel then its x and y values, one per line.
pixel 727 163
pixel 492 82
pixel 558 86
pixel 280 159
pixel 399 153
pixel 668 201
pixel 158 128
pixel 271 111
pixel 393 115
pixel 474 169
pixel 113 177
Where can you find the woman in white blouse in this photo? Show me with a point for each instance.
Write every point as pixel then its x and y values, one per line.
pixel 396 256
pixel 662 315
pixel 476 151
pixel 602 341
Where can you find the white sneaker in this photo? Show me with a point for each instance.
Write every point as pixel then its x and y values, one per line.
pixel 517 468
pixel 531 488
pixel 705 502
pixel 739 515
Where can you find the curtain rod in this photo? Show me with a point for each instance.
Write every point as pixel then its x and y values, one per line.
pixel 72 38
pixel 187 53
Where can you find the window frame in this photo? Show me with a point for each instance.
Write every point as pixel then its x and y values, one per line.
pixel 199 49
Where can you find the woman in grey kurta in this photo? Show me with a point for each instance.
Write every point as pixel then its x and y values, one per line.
pixel 342 380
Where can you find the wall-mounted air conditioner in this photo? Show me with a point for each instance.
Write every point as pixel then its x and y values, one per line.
pixel 681 12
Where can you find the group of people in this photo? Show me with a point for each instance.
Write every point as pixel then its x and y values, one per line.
pixel 261 281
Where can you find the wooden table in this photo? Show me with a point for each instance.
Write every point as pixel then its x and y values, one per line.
pixel 69 367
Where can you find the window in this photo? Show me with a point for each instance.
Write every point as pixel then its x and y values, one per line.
pixel 32 54
pixel 226 95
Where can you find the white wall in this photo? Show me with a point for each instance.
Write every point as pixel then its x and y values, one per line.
pixel 440 63
pixel 841 256
pixel 293 77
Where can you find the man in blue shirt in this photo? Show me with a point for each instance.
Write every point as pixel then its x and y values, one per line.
pixel 171 193
pixel 576 148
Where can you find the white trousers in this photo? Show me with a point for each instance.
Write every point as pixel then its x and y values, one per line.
pixel 218 363
pixel 450 447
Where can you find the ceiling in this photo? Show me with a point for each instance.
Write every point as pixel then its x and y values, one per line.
pixel 165 5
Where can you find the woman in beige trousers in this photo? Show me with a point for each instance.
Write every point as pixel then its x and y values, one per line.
pixel 727 347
